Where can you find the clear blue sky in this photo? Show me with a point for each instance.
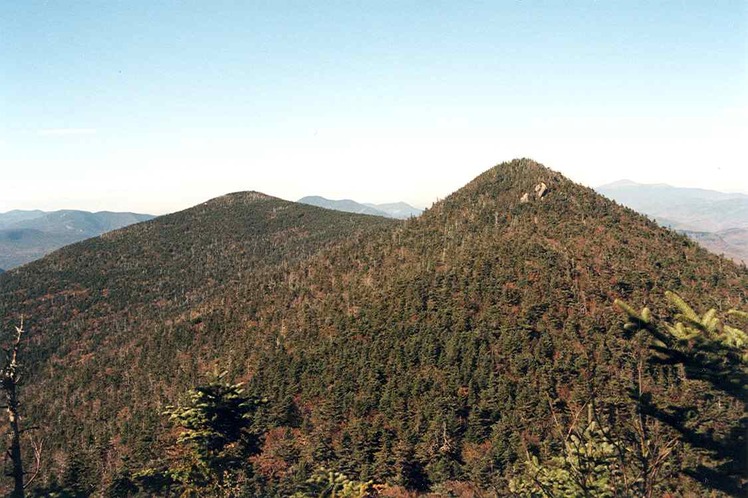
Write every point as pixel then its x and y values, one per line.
pixel 154 106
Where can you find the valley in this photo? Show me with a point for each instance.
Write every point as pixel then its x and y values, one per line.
pixel 29 235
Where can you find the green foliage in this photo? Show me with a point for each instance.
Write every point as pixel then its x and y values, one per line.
pixel 326 483
pixel 121 486
pixel 215 427
pixel 712 353
pixel 78 478
pixel 215 421
pixel 154 482
pixel 588 465
pixel 698 342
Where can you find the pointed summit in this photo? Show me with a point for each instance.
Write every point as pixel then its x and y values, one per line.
pixel 519 192
pixel 507 183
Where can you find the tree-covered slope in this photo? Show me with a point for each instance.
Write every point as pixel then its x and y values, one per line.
pixel 419 353
pixel 457 333
pixel 113 320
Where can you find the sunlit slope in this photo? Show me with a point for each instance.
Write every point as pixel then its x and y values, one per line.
pixel 443 340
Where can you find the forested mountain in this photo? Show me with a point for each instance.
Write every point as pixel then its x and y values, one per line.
pixel 28 235
pixel 85 223
pixel 717 220
pixel 435 353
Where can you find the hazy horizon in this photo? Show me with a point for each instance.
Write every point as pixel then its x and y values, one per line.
pixel 361 201
pixel 156 106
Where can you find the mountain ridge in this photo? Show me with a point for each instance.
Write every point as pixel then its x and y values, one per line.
pixel 397 210
pixel 345 205
pixel 706 215
pixel 28 235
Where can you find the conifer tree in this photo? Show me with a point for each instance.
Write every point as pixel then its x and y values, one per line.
pixel 587 466
pixel 216 430
pixel 326 483
pixel 712 351
pixel 78 478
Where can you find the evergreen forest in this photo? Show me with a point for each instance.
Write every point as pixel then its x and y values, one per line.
pixel 524 336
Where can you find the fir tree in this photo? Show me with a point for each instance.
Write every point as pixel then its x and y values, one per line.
pixel 587 466
pixel 216 430
pixel 712 351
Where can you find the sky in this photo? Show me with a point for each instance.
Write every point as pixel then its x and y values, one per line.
pixel 154 106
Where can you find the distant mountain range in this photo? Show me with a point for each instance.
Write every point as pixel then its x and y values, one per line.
pixel 716 220
pixel 398 210
pixel 29 235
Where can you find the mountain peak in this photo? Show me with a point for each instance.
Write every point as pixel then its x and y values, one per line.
pixel 240 198
pixel 509 183
pixel 621 183
pixel 516 174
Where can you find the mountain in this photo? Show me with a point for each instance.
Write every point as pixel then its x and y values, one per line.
pixel 709 217
pixel 83 223
pixel 21 245
pixel 690 208
pixel 29 235
pixel 397 210
pixel 345 205
pixel 12 217
pixel 732 242
pixel 429 353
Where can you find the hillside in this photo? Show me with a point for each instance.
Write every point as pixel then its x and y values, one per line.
pixel 415 353
pixel 29 235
